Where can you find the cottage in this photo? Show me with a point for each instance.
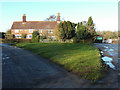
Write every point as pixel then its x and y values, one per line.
pixel 28 27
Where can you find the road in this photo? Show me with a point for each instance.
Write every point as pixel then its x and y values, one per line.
pixel 111 50
pixel 24 69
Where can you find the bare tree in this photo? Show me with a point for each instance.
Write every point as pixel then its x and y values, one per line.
pixel 51 18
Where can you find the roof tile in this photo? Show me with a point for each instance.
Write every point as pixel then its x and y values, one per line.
pixel 34 25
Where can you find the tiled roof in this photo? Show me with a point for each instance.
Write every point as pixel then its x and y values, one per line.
pixel 34 25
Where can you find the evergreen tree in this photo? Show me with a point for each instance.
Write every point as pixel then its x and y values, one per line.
pixel 82 32
pixel 90 25
pixel 66 30
pixel 90 21
pixel 61 31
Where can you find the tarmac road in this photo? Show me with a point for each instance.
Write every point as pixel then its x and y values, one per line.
pixel 24 69
pixel 112 79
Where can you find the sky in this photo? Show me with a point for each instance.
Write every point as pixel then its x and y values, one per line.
pixel 104 12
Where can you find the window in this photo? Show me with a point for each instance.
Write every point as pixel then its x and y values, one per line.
pixel 48 36
pixel 29 36
pixel 50 31
pixel 40 31
pixel 16 31
pixel 53 37
pixel 30 30
pixel 17 36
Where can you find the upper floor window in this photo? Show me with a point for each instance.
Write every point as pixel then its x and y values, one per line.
pixel 40 31
pixel 16 31
pixel 50 31
pixel 30 30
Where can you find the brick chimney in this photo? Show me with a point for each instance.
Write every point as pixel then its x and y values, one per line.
pixel 24 18
pixel 58 16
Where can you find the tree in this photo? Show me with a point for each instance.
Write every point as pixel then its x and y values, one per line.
pixel 35 37
pixel 90 25
pixel 66 30
pixel 11 36
pixel 45 34
pixel 51 18
pixel 108 34
pixel 8 32
pixel 90 22
pixel 81 32
pixel 61 31
pixel 56 33
pixel 2 35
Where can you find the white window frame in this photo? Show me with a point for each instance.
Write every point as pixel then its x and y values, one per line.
pixel 53 37
pixel 30 30
pixel 29 36
pixel 50 31
pixel 18 36
pixel 40 30
pixel 16 31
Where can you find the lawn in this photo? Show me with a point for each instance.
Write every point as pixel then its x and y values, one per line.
pixel 81 59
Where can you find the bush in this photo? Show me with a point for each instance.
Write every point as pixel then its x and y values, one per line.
pixel 75 40
pixel 23 36
pixel 42 37
pixel 36 39
pixel 16 40
pixel 98 41
pixel 11 36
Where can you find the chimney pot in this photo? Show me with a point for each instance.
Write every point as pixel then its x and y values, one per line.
pixel 24 18
pixel 58 16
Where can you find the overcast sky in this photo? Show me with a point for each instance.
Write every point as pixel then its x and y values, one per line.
pixel 103 12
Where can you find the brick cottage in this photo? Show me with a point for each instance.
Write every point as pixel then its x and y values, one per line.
pixel 28 27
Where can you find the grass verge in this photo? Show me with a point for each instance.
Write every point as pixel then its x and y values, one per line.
pixel 81 59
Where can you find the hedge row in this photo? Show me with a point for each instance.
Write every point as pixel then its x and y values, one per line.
pixel 16 40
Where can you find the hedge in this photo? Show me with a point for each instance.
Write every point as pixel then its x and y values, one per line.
pixel 16 40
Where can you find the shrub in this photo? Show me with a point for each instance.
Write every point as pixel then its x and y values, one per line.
pixel 75 40
pixel 23 35
pixel 11 36
pixel 43 37
pixel 35 37
pixel 16 40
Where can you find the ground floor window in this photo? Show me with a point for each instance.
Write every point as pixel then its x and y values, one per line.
pixel 17 36
pixel 29 36
pixel 53 37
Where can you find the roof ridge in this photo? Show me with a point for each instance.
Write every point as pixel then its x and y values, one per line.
pixel 36 21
